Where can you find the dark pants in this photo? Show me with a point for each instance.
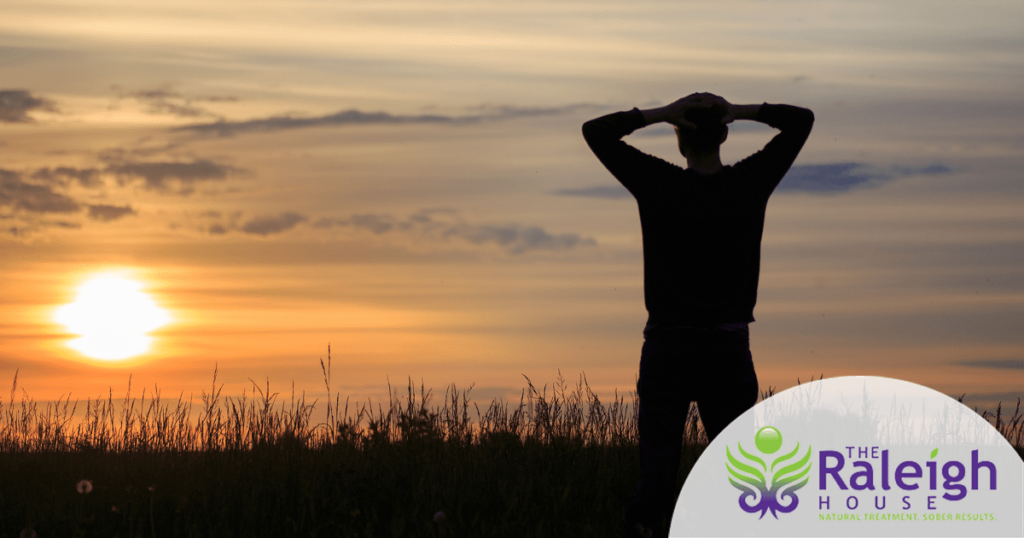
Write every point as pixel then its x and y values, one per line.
pixel 712 367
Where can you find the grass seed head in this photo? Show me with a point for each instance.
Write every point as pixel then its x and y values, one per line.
pixel 84 486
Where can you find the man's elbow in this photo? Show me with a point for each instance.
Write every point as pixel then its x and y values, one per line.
pixel 808 117
pixel 592 132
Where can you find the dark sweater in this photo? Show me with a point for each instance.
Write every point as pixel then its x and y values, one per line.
pixel 701 233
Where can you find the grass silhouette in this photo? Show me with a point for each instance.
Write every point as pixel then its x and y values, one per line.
pixel 552 465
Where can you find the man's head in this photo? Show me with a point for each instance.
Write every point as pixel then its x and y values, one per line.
pixel 709 134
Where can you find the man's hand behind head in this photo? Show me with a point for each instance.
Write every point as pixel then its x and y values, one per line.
pixel 679 111
pixel 717 100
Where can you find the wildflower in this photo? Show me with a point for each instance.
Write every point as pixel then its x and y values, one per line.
pixel 151 488
pixel 84 486
pixel 439 517
pixel 28 533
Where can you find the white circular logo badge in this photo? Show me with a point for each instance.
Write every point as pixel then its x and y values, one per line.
pixel 855 456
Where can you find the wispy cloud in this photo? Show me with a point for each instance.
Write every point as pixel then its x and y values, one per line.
pixel 358 117
pixel 167 101
pixel 159 175
pixel 17 194
pixel 990 400
pixel 30 203
pixel 377 224
pixel 155 175
pixel 445 225
pixel 108 213
pixel 518 240
pixel 267 225
pixel 16 104
pixel 277 123
pixel 995 364
pixel 86 177
pixel 597 191
pixel 62 224
pixel 843 177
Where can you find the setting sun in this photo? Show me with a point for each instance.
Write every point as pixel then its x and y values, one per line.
pixel 112 314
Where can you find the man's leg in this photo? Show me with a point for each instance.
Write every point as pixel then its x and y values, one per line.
pixel 664 404
pixel 732 383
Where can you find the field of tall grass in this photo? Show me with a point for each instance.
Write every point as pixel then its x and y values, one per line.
pixel 555 464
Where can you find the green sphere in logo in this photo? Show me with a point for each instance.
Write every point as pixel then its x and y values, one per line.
pixel 768 440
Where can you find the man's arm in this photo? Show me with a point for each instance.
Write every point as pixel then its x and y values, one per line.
pixel 770 164
pixel 628 164
pixel 741 112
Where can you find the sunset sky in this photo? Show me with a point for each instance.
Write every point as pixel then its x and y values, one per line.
pixel 407 182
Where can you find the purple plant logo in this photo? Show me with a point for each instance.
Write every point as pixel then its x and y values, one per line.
pixel 759 494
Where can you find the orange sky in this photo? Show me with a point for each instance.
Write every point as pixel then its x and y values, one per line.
pixel 408 184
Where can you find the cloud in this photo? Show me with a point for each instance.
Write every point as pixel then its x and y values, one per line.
pixel 823 178
pixel 163 106
pixel 107 213
pixel 166 101
pixel 15 105
pixel 930 170
pixel 86 177
pixel 267 225
pixel 277 123
pixel 17 194
pixel 375 223
pixel 843 177
pixel 500 112
pixel 518 240
pixel 326 222
pixel 357 117
pixel 156 175
pixel 444 225
pixel 63 224
pixel 426 227
pixel 597 191
pixel 995 364
pixel 215 222
pixel 990 401
pixel 42 199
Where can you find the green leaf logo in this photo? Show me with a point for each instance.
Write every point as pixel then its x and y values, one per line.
pixel 765 488
pixel 935 453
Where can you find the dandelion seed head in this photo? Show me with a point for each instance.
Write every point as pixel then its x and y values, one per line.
pixel 84 486
pixel 439 517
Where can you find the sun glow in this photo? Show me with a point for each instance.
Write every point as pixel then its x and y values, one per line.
pixel 112 314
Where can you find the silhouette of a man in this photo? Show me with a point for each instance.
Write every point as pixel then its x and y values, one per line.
pixel 702 230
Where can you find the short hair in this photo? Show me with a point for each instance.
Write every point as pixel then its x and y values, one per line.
pixel 710 131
